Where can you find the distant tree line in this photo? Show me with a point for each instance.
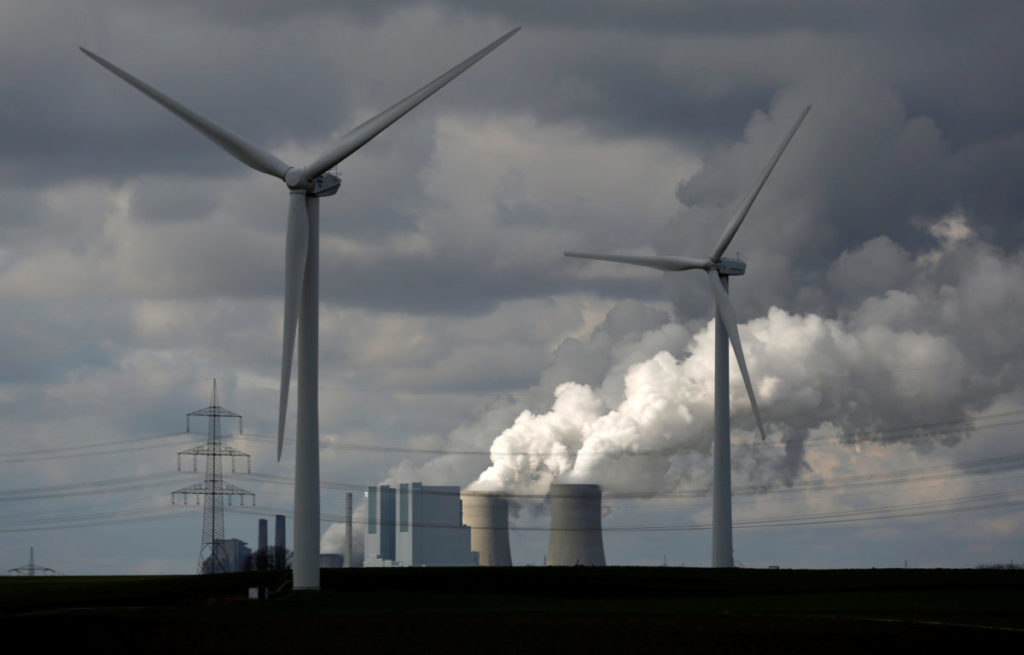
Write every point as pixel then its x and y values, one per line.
pixel 266 559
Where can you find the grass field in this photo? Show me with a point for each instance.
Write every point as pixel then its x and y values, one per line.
pixel 527 609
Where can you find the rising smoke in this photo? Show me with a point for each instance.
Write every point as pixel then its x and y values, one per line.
pixel 333 539
pixel 907 357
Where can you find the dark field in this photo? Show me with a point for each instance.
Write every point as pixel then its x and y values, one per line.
pixel 529 609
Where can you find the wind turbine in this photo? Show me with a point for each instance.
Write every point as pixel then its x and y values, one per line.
pixel 719 270
pixel 301 298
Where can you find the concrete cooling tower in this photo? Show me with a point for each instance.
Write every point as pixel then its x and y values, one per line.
pixel 487 517
pixel 575 526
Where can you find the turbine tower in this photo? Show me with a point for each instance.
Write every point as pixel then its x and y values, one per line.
pixel 719 270
pixel 302 271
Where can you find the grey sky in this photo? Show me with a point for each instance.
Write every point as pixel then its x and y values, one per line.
pixel 137 261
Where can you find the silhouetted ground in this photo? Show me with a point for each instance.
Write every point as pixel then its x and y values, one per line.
pixel 527 609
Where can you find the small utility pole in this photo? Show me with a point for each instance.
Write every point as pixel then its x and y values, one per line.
pixel 213 557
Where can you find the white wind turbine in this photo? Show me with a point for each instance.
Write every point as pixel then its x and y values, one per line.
pixel 301 298
pixel 719 271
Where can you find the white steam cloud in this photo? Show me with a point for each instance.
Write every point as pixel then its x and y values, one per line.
pixel 902 357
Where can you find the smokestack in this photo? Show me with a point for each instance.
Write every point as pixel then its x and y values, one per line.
pixel 280 553
pixel 486 514
pixel 348 531
pixel 261 547
pixel 575 526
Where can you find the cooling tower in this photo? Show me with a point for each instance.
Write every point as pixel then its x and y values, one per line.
pixel 487 517
pixel 575 526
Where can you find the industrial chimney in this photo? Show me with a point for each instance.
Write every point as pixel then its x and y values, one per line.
pixel 575 526
pixel 261 549
pixel 280 551
pixel 486 514
pixel 348 531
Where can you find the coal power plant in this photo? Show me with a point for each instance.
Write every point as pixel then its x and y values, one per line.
pixel 416 525
pixel 486 514
pixel 415 518
pixel 575 526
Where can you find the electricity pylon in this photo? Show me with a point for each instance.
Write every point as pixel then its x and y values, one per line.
pixel 213 557
pixel 31 568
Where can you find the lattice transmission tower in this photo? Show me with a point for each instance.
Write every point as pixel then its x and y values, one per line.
pixel 31 569
pixel 213 556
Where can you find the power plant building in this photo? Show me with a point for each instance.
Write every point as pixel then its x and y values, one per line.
pixel 379 542
pixel 416 525
pixel 235 554
pixel 575 526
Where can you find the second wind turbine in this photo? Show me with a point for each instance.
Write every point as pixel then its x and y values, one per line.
pixel 719 270
pixel 302 281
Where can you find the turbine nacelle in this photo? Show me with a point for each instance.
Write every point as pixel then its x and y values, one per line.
pixel 325 185
pixel 321 186
pixel 730 267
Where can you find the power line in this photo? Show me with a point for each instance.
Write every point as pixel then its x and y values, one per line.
pixel 1007 498
pixel 66 452
pixel 86 520
pixel 1010 498
pixel 1012 462
pixel 940 472
pixel 112 485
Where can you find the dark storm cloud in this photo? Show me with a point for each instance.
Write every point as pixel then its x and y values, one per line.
pixel 692 74
pixel 861 167
pixel 68 118
pixel 694 70
pixel 914 114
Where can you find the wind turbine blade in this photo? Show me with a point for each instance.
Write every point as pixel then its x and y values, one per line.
pixel 361 135
pixel 658 262
pixel 727 315
pixel 294 268
pixel 245 152
pixel 741 213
